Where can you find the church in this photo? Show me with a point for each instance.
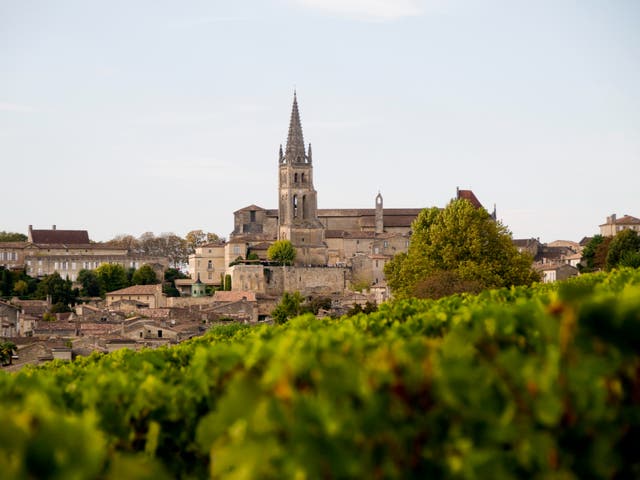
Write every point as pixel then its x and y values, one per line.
pixel 358 241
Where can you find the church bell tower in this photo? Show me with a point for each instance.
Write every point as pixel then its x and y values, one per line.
pixel 298 200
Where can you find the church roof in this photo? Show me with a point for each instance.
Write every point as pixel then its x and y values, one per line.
pixel 251 207
pixel 294 151
pixel 470 197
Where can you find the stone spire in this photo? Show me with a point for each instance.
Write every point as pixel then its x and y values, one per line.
pixel 294 152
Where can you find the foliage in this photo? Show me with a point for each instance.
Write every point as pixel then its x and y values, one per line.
pixel 168 245
pixel 90 282
pixel 12 237
pixel 290 306
pixel 282 252
pixel 145 275
pixel 58 289
pixel 444 283
pixel 7 350
pixel 59 307
pixel 227 282
pixel 369 307
pixel 464 240
pixel 170 277
pixel 588 261
pixel 522 382
pixel 20 288
pixel 112 276
pixel 626 242
pixel 196 238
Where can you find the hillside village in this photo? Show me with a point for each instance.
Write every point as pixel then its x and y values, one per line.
pixel 341 255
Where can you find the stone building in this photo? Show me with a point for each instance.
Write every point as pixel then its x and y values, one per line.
pixel 67 252
pixel 361 240
pixel 614 225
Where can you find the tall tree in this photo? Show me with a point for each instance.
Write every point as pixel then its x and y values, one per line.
pixel 12 237
pixel 145 275
pixel 282 251
pixel 625 244
pixel 464 241
pixel 112 277
pixel 90 283
pixel 59 289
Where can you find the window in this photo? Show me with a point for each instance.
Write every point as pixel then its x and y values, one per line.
pixel 302 177
pixel 385 244
pixel 210 275
pixel 295 178
pixel 73 265
pixel 252 218
pixel 209 265
pixel 295 206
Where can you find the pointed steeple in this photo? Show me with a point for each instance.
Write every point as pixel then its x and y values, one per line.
pixel 294 152
pixel 280 155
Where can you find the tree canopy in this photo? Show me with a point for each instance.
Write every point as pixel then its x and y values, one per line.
pixel 465 242
pixel 623 250
pixel 112 277
pixel 145 275
pixel 12 237
pixel 282 251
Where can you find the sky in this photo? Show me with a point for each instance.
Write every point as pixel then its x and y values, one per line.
pixel 125 117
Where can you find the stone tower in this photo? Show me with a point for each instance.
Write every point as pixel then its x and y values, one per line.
pixel 298 199
pixel 379 214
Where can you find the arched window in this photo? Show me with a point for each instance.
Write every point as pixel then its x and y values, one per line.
pixel 295 178
pixel 302 177
pixel 295 206
pixel 304 207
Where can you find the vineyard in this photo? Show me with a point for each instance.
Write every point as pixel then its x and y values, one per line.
pixel 528 382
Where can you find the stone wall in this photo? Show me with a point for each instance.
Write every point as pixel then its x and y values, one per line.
pixel 275 280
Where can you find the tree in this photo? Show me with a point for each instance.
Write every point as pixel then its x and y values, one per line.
pixel 21 288
pixel 465 241
pixel 58 289
pixel 111 276
pixel 587 262
pixel 12 237
pixel 282 252
pixel 128 242
pixel 290 306
pixel 90 283
pixel 7 350
pixel 145 275
pixel 623 246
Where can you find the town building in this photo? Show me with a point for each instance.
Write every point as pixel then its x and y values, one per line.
pixel 357 243
pixel 67 252
pixel 614 225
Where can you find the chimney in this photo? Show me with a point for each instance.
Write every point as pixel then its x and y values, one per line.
pixel 53 227
pixel 613 218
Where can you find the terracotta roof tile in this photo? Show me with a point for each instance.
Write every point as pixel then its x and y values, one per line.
pixel 136 290
pixel 65 237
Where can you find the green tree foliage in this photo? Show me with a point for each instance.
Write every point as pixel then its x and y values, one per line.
pixel 20 288
pixel 463 240
pixel 525 382
pixel 588 261
pixel 145 275
pixel 112 277
pixel 59 289
pixel 7 350
pixel 12 237
pixel 624 247
pixel 90 283
pixel 282 252
pixel 170 277
pixel 227 283
pixel 290 306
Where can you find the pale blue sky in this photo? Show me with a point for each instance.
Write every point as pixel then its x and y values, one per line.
pixel 165 116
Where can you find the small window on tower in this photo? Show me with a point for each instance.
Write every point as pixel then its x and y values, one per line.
pixel 302 177
pixel 295 178
pixel 252 216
